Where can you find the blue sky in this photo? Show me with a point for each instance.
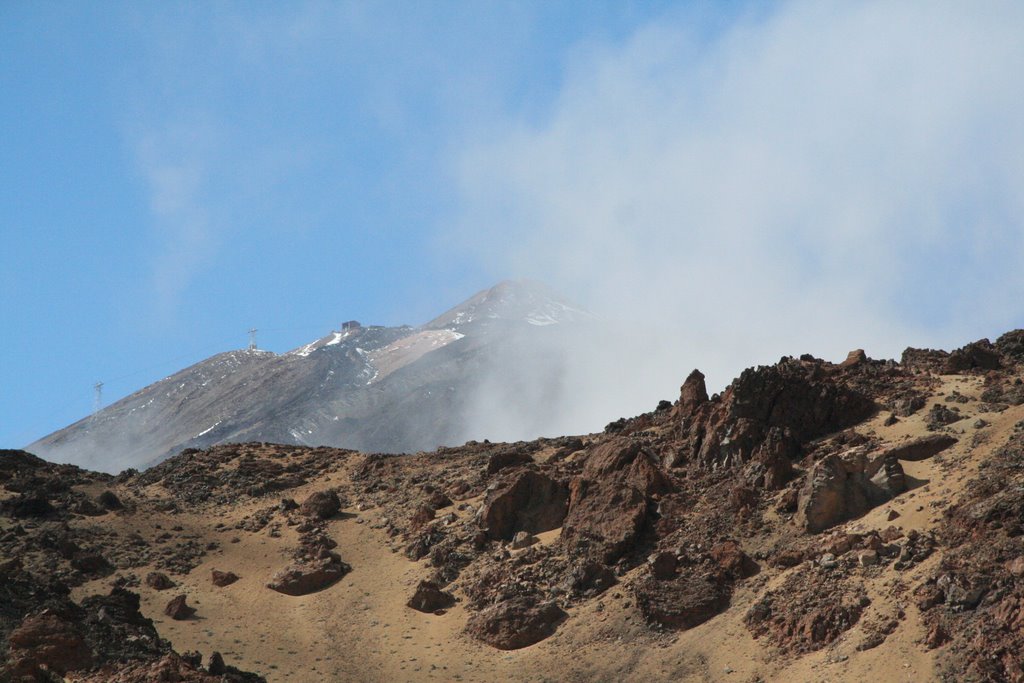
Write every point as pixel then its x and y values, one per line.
pixel 787 177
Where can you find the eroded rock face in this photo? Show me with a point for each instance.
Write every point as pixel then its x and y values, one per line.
pixel 838 488
pixel 531 501
pixel 309 577
pixel 516 623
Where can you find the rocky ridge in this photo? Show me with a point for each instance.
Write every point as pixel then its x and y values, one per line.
pixel 814 520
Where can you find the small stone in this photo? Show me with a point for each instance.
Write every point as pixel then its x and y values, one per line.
pixel 222 579
pixel 159 581
pixel 868 558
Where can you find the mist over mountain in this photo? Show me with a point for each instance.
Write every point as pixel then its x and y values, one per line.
pixel 500 365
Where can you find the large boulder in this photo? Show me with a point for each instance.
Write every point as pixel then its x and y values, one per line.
pixel 159 581
pixel 321 505
pixel 840 488
pixel 46 639
pixel 178 609
pixel 516 623
pixel 530 501
pixel 430 598
pixel 628 462
pixel 605 518
pixel 309 577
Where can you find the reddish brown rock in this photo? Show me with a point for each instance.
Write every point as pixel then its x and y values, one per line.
pixel 734 563
pixel 515 623
pixel 507 458
pixel 222 579
pixel 693 393
pixel 530 501
pixel 46 639
pixel 627 461
pixel 321 505
pixel 604 518
pixel 854 358
pixel 159 581
pixel 430 598
pixel 178 610
pixel 305 578
pixel 806 613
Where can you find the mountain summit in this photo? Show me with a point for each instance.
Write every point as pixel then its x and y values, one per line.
pixel 512 300
pixel 371 388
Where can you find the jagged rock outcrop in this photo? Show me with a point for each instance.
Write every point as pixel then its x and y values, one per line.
pixel 794 400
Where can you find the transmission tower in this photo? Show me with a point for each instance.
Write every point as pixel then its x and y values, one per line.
pixel 252 339
pixel 97 399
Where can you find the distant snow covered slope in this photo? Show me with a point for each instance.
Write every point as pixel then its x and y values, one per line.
pixel 372 388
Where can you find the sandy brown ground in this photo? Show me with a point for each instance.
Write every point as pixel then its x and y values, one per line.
pixel 360 629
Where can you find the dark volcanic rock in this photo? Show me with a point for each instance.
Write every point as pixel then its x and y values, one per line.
pixel 222 579
pixel 321 505
pixel 921 448
pixel 801 399
pixel 682 602
pixel 940 416
pixel 109 501
pixel 515 623
pixel 178 610
pixel 430 598
pixel 531 502
pixel 159 581
pixel 507 458
pixel 979 355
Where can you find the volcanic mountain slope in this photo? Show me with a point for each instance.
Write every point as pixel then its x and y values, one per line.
pixel 371 388
pixel 814 522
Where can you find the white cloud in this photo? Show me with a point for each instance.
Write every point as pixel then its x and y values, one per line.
pixel 822 177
